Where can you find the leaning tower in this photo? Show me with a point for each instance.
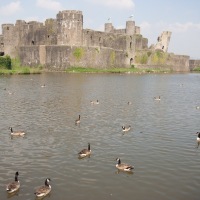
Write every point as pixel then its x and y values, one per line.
pixel 69 27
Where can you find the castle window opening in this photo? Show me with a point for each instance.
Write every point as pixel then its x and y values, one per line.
pixel 163 47
pixel 33 42
pixel 1 53
pixel 7 28
pixel 130 45
pixel 48 36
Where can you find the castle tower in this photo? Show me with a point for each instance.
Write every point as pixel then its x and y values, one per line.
pixel 109 27
pixel 130 27
pixel 163 41
pixel 10 39
pixel 69 27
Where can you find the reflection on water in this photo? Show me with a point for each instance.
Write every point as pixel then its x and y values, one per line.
pixel 161 143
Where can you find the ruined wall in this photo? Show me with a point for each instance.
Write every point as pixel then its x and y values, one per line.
pixel 61 57
pixel 140 42
pixel 51 31
pixel 194 64
pixel 163 60
pixel 163 41
pixel 69 27
pixel 29 55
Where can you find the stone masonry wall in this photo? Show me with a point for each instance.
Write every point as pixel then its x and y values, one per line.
pixel 194 64
pixel 61 57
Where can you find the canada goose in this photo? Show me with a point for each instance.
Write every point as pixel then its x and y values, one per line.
pixel 157 98
pixel 125 129
pixel 198 136
pixel 123 166
pixel 85 152
pixel 17 133
pixel 95 102
pixel 77 121
pixel 14 186
pixel 43 190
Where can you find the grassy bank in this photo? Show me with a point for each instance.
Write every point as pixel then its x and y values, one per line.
pixel 16 68
pixel 113 70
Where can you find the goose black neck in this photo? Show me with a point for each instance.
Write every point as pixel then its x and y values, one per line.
pixel 16 177
pixel 88 146
pixel 46 183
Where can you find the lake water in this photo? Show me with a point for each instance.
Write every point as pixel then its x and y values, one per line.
pixel 161 143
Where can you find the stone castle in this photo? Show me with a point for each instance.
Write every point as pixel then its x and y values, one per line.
pixel 63 42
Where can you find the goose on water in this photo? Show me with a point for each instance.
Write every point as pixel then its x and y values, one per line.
pixel 43 190
pixel 85 152
pixel 123 166
pixel 17 133
pixel 13 186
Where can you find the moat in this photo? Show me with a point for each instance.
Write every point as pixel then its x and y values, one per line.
pixel 161 143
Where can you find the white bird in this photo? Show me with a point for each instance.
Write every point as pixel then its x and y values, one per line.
pixel 14 186
pixel 43 190
pixel 123 166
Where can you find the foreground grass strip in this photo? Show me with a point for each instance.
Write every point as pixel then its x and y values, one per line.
pixel 114 70
pixel 18 69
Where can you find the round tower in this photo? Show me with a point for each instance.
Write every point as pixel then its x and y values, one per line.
pixel 130 27
pixel 69 27
pixel 108 27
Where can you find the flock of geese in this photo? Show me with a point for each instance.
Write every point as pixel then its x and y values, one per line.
pixel 45 189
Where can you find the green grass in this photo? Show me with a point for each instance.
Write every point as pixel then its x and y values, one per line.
pixel 197 69
pixel 114 70
pixel 18 69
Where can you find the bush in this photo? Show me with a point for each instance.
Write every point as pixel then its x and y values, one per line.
pixel 5 62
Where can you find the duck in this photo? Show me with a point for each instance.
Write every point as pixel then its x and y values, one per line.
pixel 17 133
pixel 157 98
pixel 85 152
pixel 198 136
pixel 77 121
pixel 123 166
pixel 95 102
pixel 43 190
pixel 14 186
pixel 125 129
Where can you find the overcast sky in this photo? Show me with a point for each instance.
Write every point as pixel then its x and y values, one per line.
pixel 182 17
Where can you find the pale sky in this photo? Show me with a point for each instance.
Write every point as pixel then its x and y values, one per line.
pixel 182 17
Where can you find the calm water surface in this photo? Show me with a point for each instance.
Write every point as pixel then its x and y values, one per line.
pixel 161 143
